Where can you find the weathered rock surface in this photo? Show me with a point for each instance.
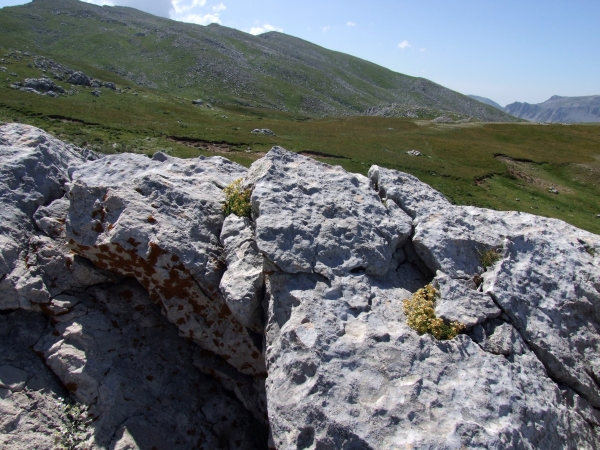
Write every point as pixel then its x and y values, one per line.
pixel 159 220
pixel 315 218
pixel 115 352
pixel 30 413
pixel 345 371
pixel 80 79
pixel 311 286
pixel 242 282
pixel 33 173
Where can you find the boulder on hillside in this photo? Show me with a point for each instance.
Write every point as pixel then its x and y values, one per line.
pixel 79 79
pixel 264 131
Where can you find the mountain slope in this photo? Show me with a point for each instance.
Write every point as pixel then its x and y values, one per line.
pixel 559 109
pixel 222 65
pixel 487 101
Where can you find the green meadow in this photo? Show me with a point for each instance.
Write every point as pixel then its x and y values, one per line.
pixel 549 170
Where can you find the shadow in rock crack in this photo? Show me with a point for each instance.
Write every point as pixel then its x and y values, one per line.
pixel 119 355
pixel 407 271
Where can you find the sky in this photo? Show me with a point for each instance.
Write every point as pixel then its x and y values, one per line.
pixel 505 50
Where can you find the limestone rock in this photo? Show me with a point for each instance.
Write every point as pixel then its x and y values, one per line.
pixel 243 280
pixel 312 217
pixel 159 221
pixel 30 414
pixel 79 78
pixel 13 378
pixel 546 280
pixel 51 219
pixel 115 352
pixel 549 286
pixel 344 377
pixel 460 302
pixel 413 196
pixel 345 371
pixel 264 131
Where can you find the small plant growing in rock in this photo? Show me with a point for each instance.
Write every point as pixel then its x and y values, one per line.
pixel 76 430
pixel 420 314
pixel 237 200
pixel 489 257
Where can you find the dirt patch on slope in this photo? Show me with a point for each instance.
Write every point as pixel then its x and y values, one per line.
pixel 531 173
pixel 215 147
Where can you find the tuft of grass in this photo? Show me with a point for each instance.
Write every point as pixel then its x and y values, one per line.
pixel 237 200
pixel 420 314
pixel 489 257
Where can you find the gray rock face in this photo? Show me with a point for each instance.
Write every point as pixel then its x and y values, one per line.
pixel 243 280
pixel 546 281
pixel 115 352
pixel 33 172
pixel 460 301
pixel 108 343
pixel 315 218
pixel 79 79
pixel 30 416
pixel 159 221
pixel 345 371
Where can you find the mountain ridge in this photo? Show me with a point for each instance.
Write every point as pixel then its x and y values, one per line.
pixel 223 65
pixel 559 109
pixel 487 101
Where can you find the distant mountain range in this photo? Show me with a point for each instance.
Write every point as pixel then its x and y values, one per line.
pixel 559 110
pixel 487 101
pixel 225 66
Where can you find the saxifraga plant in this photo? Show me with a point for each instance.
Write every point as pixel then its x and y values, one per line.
pixel 420 315
pixel 489 257
pixel 237 200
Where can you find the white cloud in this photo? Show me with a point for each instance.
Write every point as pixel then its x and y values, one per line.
pixel 200 19
pixel 219 7
pixel 403 45
pixel 192 11
pixel 326 28
pixel 263 29
pixel 351 24
pixel 180 6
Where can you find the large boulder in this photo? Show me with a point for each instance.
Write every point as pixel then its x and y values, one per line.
pixel 80 79
pixel 159 221
pixel 159 318
pixel 33 173
pixel 316 218
pixel 346 371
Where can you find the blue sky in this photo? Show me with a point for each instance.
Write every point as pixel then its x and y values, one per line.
pixel 505 50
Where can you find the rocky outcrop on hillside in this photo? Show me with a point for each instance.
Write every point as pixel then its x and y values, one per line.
pixel 559 109
pixel 134 315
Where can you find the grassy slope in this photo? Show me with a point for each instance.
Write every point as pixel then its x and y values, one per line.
pixel 459 160
pixel 221 64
